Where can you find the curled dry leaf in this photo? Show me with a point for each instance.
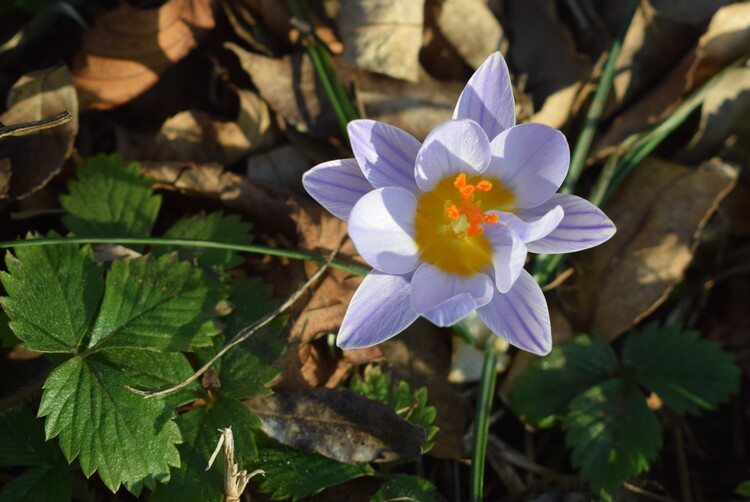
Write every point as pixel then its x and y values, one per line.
pixel 383 36
pixel 290 87
pixel 194 136
pixel 472 28
pixel 36 158
pixel 338 424
pixel 659 213
pixel 726 39
pixel 127 49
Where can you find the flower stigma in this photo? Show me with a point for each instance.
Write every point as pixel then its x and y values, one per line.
pixel 450 222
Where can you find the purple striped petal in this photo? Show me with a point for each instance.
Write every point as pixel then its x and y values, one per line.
pixel 531 160
pixel 488 98
pixel 453 147
pixel 445 298
pixel 538 225
pixel 520 316
pixel 381 226
pixel 508 255
pixel 583 226
pixel 379 310
pixel 336 185
pixel 386 153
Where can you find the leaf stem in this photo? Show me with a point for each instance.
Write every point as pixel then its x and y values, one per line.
pixel 482 422
pixel 164 241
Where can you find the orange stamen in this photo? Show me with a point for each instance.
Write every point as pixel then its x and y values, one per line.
pixel 469 208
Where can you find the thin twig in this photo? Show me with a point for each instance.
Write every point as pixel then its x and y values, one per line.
pixel 646 493
pixel 244 334
pixel 235 480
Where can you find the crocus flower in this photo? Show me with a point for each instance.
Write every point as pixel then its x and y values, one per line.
pixel 446 224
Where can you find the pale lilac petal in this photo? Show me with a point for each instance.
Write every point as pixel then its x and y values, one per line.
pixel 531 160
pixel 535 225
pixel 453 147
pixel 508 255
pixel 381 226
pixel 488 98
pixel 379 310
pixel 336 185
pixel 445 298
pixel 583 226
pixel 520 316
pixel 386 153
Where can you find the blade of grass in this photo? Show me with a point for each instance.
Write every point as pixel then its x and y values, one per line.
pixel 482 423
pixel 161 241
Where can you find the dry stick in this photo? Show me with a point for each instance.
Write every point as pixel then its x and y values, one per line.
pixel 235 480
pixel 244 334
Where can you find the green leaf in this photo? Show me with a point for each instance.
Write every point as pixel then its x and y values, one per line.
pixel 542 393
pixel 125 438
pixel 247 368
pixel 22 441
pixel 156 303
pixel 688 373
pixel 40 484
pixel 743 490
pixel 613 433
pixel 110 199
pixel 405 487
pixel 411 406
pixel 53 293
pixel 201 429
pixel 7 337
pixel 292 474
pixel 217 227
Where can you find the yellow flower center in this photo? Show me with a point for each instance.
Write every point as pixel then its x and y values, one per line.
pixel 450 221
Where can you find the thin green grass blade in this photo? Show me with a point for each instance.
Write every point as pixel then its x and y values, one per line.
pixel 482 423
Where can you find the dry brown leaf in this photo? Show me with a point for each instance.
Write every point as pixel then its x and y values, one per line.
pixel 195 136
pixel 282 167
pixel 5 174
pixel 246 27
pixel 695 12
pixel 421 357
pixel 127 49
pixel 290 87
pixel 383 36
pixel 471 28
pixel 36 158
pixel 659 213
pixel 559 107
pixel 542 48
pixel 338 424
pixel 726 39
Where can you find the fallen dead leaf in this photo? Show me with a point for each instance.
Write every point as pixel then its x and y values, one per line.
pixel 36 158
pixel 290 87
pixel 694 12
pixel 659 213
pixel 472 28
pixel 559 107
pixel 282 167
pixel 5 174
pixel 127 49
pixel 338 424
pixel 383 36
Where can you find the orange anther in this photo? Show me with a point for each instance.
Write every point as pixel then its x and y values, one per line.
pixel 469 208
pixel 474 231
pixel 484 186
pixel 460 181
pixel 453 212
pixel 467 190
pixel 491 218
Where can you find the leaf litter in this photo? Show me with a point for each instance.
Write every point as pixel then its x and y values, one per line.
pixel 228 155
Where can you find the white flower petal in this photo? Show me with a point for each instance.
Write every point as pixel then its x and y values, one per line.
pixel 380 309
pixel 520 316
pixel 336 185
pixel 535 225
pixel 445 298
pixel 453 147
pixel 381 226
pixel 508 255
pixel 583 226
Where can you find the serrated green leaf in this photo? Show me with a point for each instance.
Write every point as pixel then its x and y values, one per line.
pixel 125 438
pixel 292 474
pixel 40 484
pixel 22 441
pixel 110 198
pixel 7 337
pixel 156 303
pixel 215 227
pixel 200 430
pixel 405 487
pixel 613 433
pixel 247 369
pixel 411 406
pixel 688 373
pixel 53 293
pixel 545 389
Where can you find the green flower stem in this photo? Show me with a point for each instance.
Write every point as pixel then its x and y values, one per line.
pixel 482 422
pixel 162 241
